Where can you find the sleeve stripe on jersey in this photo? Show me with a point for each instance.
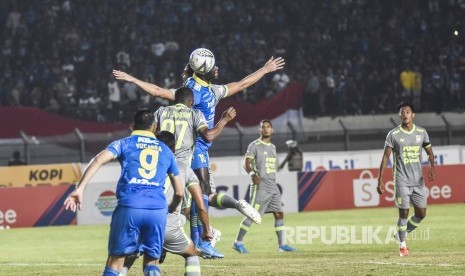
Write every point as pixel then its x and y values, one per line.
pixel 201 126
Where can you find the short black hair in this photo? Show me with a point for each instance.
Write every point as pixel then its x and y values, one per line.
pixel 143 119
pixel 183 95
pixel 404 104
pixel 266 121
pixel 167 138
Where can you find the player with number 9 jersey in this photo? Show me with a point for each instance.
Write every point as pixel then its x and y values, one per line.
pixel 139 219
pixel 144 162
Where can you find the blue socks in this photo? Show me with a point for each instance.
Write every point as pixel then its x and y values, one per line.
pixel 110 272
pixel 152 270
pixel 196 224
pixel 193 223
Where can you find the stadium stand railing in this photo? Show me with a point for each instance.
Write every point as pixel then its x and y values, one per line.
pixel 317 134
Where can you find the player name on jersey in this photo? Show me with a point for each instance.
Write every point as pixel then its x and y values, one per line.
pixel 147 143
pixel 177 114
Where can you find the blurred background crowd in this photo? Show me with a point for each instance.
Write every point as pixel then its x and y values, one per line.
pixel 351 56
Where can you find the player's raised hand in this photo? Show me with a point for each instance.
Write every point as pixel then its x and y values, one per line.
pixel 274 64
pixel 120 75
pixel 229 114
pixel 73 201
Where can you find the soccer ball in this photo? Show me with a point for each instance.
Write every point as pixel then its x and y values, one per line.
pixel 202 61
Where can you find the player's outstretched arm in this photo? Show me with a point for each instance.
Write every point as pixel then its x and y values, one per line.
pixel 211 134
pixel 271 65
pixel 74 200
pixel 150 88
pixel 382 166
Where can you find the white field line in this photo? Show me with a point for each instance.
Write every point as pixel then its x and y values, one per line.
pixel 411 264
pixel 84 264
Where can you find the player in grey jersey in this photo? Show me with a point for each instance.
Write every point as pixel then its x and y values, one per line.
pixel 406 142
pixel 186 123
pixel 261 163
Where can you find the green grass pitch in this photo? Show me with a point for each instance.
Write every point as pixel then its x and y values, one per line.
pixel 81 250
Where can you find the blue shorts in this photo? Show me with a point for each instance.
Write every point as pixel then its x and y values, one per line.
pixel 133 229
pixel 200 158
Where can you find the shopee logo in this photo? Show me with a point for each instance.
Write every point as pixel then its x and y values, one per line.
pixel 7 218
pixel 366 195
pixel 364 188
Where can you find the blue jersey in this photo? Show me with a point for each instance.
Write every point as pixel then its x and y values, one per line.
pixel 145 161
pixel 206 98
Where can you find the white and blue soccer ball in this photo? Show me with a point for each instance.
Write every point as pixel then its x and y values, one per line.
pixel 202 61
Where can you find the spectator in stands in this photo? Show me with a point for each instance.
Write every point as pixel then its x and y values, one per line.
pixel 407 79
pixel 417 87
pixel 114 97
pixel 311 94
pixel 352 37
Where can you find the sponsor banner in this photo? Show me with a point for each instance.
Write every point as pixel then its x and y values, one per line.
pixel 99 202
pixel 238 187
pixel 232 165
pixel 345 189
pixel 462 155
pixel 39 175
pixel 342 160
pixel 99 198
pixel 35 206
pixel 447 155
pixel 227 166
pixel 349 160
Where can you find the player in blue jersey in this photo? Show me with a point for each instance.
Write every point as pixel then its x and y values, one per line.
pixel 179 126
pixel 206 98
pixel 139 219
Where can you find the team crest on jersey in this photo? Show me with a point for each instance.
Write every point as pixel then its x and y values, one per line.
pixel 418 138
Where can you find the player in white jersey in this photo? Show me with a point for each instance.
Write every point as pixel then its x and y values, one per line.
pixel 406 142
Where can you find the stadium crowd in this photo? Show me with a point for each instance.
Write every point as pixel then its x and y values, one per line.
pixel 352 56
